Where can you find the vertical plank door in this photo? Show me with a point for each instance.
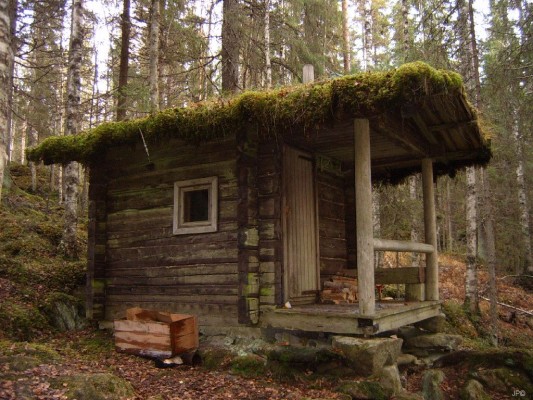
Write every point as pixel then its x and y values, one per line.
pixel 301 274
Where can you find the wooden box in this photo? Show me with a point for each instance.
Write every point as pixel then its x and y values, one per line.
pixel 156 334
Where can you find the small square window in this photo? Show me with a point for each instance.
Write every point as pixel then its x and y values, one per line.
pixel 195 206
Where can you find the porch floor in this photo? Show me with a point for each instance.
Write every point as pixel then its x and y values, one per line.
pixel 345 318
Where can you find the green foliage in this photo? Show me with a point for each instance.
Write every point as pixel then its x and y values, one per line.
pixel 21 321
pixel 458 319
pixel 31 269
pixel 103 386
pixel 249 366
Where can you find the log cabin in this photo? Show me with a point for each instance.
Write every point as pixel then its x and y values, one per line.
pixel 231 209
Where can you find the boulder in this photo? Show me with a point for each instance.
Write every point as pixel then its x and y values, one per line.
pixel 64 312
pixel 365 390
pixel 408 396
pixel 368 356
pixel 407 332
pixel 406 359
pixel 473 390
pixel 431 384
pixel 390 380
pixel 434 324
pixel 440 342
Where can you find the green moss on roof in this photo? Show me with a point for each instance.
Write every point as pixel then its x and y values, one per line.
pixel 302 106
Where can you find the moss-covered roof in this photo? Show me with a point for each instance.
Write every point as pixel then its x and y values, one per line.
pixel 362 95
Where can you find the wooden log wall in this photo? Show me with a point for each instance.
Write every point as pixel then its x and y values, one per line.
pixel 248 227
pixel 349 201
pixel 148 266
pixel 97 243
pixel 269 219
pixel 331 224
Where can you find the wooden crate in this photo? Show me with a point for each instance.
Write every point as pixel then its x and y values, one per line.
pixel 156 334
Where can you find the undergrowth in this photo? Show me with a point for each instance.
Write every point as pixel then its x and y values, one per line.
pixel 32 270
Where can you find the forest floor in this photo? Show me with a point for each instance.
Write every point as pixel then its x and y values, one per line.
pixel 37 362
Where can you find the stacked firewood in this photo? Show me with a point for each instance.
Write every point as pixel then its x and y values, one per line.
pixel 339 290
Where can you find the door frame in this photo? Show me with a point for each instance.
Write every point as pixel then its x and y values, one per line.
pixel 309 156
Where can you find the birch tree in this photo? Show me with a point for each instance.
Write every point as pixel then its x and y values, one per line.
pixel 72 126
pixel 6 57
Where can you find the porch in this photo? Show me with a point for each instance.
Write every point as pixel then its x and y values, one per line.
pixel 347 319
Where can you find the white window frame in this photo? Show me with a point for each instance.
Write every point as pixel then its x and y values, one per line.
pixel 180 227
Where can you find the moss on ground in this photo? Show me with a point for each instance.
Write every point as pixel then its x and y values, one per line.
pixel 31 267
pixel 102 386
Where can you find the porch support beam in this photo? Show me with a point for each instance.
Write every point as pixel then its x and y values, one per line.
pixel 430 228
pixel 363 217
pixel 402 246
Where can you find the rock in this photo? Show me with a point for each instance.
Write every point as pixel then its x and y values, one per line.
pixel 473 390
pixel 102 386
pixel 390 380
pixel 434 342
pixel 435 324
pixel 368 356
pixel 406 359
pixel 408 332
pixel 504 380
pixel 364 390
pixel 408 396
pixel 431 384
pixel 64 312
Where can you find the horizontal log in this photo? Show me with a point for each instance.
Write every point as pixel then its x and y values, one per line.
pixel 222 313
pixel 175 270
pixel 222 279
pixel 331 228
pixel 192 289
pixel 164 237
pixel 389 276
pixel 201 300
pixel 402 246
pixel 332 248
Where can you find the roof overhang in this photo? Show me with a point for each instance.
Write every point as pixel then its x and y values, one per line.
pixel 415 112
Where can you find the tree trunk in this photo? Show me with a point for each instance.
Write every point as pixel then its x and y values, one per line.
pixel 154 57
pixel 367 33
pixel 415 259
pixel 230 47
pixel 32 136
pixel 268 65
pixel 346 39
pixel 69 243
pixel 471 283
pixel 125 26
pixel 405 30
pixel 522 199
pixel 376 223
pixel 449 224
pixel 6 57
pixel 488 224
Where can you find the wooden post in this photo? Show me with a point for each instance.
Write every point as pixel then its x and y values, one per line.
pixel 363 213
pixel 308 74
pixel 430 228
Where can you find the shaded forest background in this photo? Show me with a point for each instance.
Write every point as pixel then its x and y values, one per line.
pixel 173 53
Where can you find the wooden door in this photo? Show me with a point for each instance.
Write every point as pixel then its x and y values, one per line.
pixel 301 273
